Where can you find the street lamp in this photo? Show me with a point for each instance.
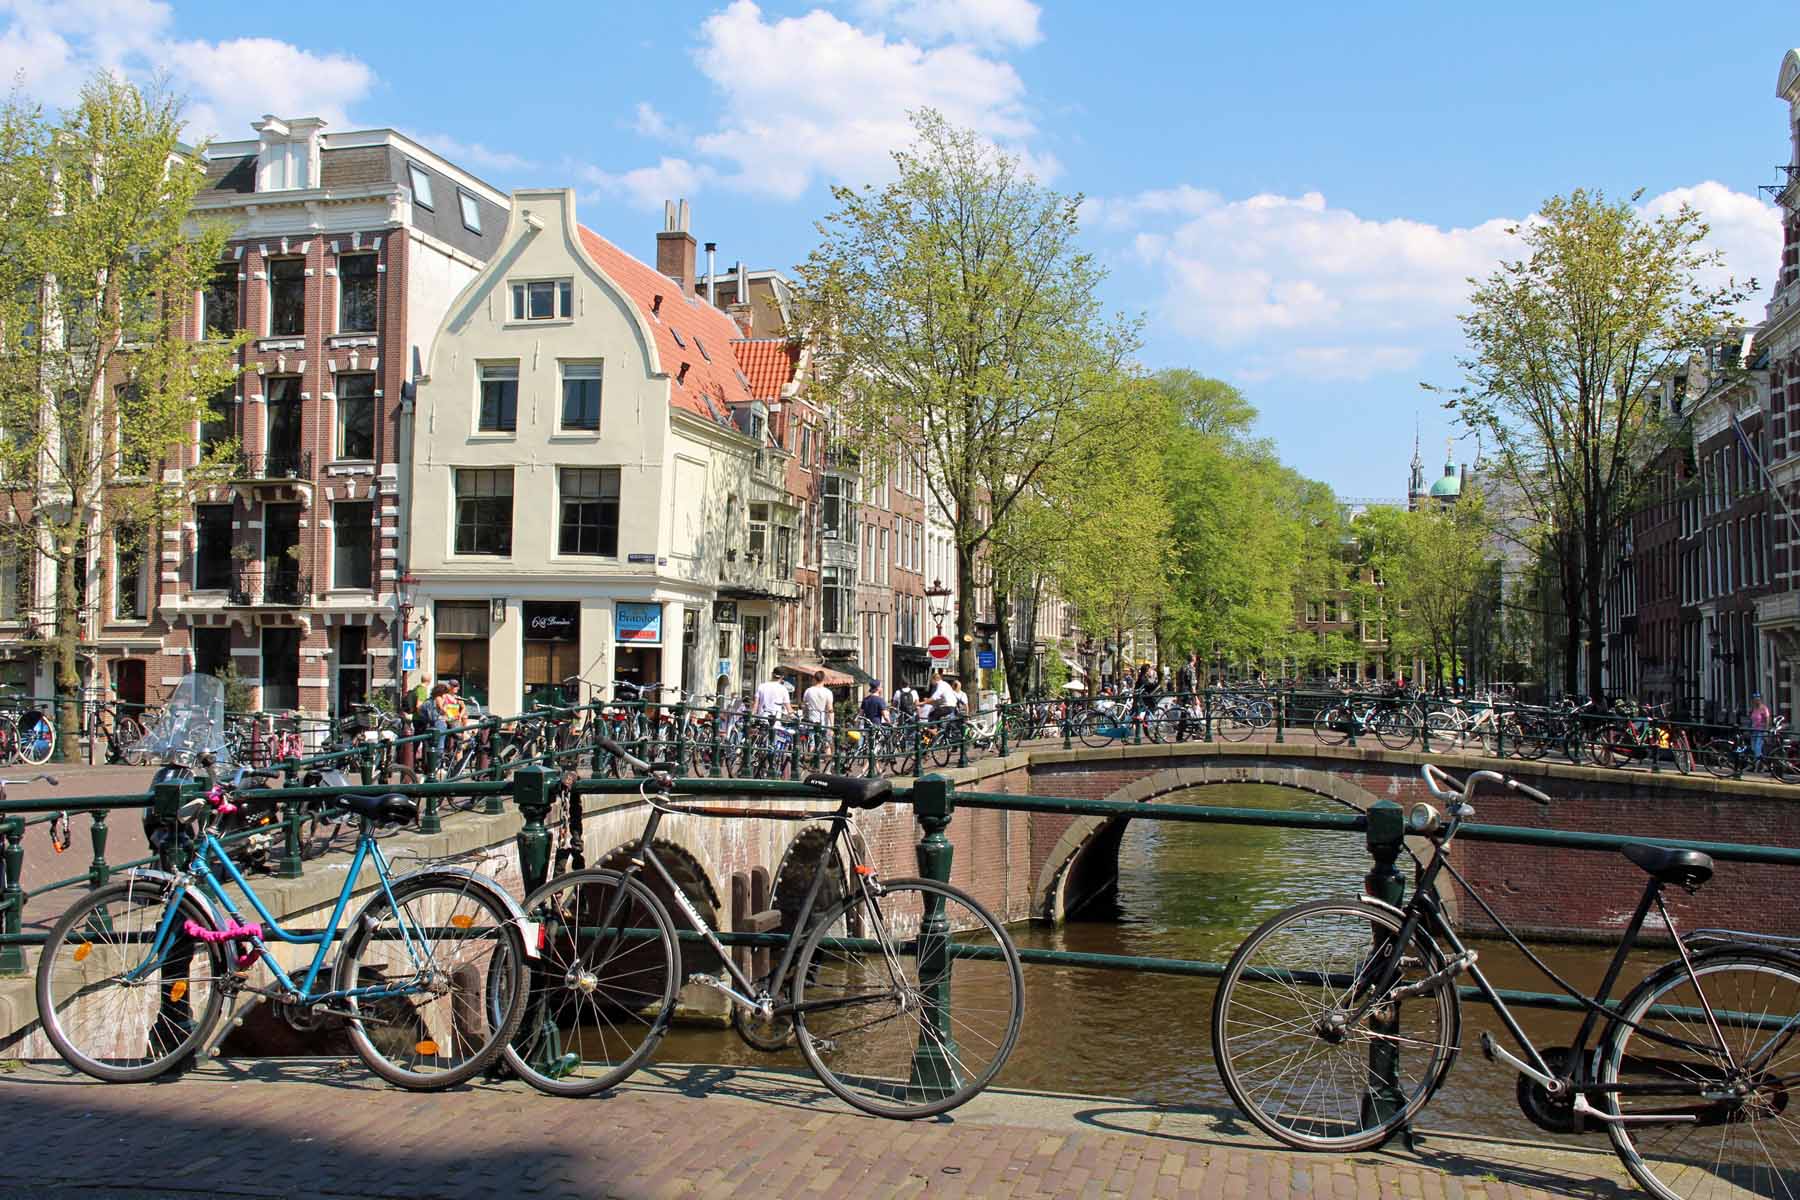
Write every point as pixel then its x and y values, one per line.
pixel 937 602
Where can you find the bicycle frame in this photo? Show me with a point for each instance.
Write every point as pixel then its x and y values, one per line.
pixel 199 868
pixel 644 854
pixel 1424 910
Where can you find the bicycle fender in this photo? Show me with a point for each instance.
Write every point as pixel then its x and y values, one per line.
pixel 528 929
pixel 163 879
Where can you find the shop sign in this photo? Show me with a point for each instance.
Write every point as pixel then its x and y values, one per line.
pixel 725 612
pixel 637 624
pixel 545 622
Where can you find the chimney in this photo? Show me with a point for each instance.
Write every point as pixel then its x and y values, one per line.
pixel 712 274
pixel 675 246
pixel 739 308
pixel 1463 480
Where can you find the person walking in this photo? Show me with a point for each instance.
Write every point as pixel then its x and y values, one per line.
pixel 874 708
pixel 817 701
pixel 1187 680
pixel 772 699
pixel 1759 724
pixel 906 701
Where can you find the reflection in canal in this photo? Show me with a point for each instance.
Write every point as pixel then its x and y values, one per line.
pixel 1193 891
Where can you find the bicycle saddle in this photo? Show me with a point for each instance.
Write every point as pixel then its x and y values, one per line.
pixel 854 790
pixel 1689 868
pixel 396 810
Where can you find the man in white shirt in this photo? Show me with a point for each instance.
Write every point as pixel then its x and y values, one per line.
pixel 771 699
pixel 943 697
pixel 817 701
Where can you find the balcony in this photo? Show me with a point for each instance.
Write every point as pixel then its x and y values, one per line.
pixel 253 587
pixel 278 475
pixel 745 576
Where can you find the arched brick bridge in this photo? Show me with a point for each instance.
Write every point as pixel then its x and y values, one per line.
pixel 1043 867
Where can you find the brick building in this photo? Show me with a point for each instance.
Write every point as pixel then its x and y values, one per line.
pixel 346 249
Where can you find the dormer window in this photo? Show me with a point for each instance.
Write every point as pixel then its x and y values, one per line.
pixel 420 181
pixel 471 211
pixel 288 158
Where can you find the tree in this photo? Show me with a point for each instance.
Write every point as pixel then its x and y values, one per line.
pixel 1442 566
pixel 98 385
pixel 957 321
pixel 1565 345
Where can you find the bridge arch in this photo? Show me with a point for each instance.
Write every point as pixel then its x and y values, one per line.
pixel 1083 864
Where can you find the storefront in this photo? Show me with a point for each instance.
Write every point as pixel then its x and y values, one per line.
pixel 552 650
pixel 637 642
pixel 460 649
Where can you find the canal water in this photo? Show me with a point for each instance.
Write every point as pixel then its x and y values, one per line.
pixel 1194 891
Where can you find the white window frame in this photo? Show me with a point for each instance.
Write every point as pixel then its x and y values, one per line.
pixel 418 179
pixel 469 209
pixel 562 303
pixel 563 369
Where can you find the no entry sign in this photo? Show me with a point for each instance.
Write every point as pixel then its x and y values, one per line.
pixel 939 648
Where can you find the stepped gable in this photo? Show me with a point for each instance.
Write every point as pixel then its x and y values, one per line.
pixel 768 363
pixel 712 383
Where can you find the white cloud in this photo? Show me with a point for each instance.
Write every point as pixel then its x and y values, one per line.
pixel 54 47
pixel 987 22
pixel 652 124
pixel 1746 229
pixel 815 95
pixel 473 154
pixel 1294 286
pixel 648 187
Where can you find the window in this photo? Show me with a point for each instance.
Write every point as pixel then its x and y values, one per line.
pixel 357 293
pixel 287 297
pixel 471 211
pixel 759 530
pixel 133 450
pixel 835 591
pixel 541 300
pixel 220 301
pixel 420 179
pixel 356 416
pixel 212 650
pixel 701 346
pixel 215 423
pixel 283 405
pixel 281 668
pixel 484 512
pixel 130 549
pixel 784 552
pixel 14 585
pixel 837 495
pixel 212 547
pixel 461 648
pixel 590 511
pixel 499 398
pixel 352 666
pixel 581 396
pixel 352 544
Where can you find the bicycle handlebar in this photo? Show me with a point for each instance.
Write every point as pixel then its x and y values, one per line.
pixel 1459 793
pixel 49 779
pixel 660 778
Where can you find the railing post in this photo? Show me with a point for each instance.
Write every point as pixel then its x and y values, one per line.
pixel 365 763
pixel 680 738
pixel 1206 720
pixel 1280 718
pixel 12 900
pixel 962 741
pixel 168 810
pixel 293 812
pixel 1002 722
pixel 1068 724
pixel 98 871
pixel 1424 730
pixel 717 754
pixel 531 792
pixel 934 1055
pixel 918 754
pixel 1385 839
pixel 868 737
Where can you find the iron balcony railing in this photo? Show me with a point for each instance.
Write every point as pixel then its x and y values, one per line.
pixel 278 463
pixel 254 585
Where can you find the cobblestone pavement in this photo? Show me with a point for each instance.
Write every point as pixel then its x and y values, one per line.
pixel 313 1128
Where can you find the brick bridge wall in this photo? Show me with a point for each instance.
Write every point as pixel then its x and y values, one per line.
pixel 1572 893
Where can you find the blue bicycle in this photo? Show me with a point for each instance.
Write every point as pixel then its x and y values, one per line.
pixel 429 983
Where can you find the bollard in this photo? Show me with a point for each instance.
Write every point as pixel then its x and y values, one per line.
pixel 934 1056
pixel 98 871
pixel 532 793
pixel 1385 840
pixel 12 899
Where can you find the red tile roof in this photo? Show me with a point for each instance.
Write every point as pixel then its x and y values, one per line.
pixel 769 363
pixel 712 382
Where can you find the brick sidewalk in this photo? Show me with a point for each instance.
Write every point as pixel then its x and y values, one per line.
pixel 320 1128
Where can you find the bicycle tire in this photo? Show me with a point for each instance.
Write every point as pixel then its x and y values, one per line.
pixel 1735 1143
pixel 585 1009
pixel 9 740
pixel 1394 729
pixel 1092 730
pixel 1234 724
pixel 439 905
pixel 1783 759
pixel 1681 752
pixel 36 737
pixel 1720 757
pixel 1241 1032
pixel 130 735
pixel 884 1079
pixel 1533 740
pixel 128 913
pixel 1332 726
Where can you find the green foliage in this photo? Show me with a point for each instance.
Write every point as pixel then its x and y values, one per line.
pixel 1567 347
pixel 957 322
pixel 238 695
pixel 97 281
pixel 1056 671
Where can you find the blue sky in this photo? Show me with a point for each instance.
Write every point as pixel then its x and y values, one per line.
pixel 1291 197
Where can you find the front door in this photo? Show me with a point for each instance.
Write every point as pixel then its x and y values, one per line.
pixel 128 681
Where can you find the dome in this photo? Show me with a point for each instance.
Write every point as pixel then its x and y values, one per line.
pixel 1449 485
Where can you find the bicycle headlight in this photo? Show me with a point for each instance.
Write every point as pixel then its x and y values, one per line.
pixel 1422 820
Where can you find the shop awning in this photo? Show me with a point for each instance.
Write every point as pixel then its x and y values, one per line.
pixel 855 672
pixel 808 668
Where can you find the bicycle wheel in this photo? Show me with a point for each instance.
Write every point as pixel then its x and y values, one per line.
pixel 9 740
pixel 1234 724
pixel 1394 729
pixel 37 737
pixel 867 983
pixel 943 745
pixel 1332 726
pixel 1096 730
pixel 1743 1138
pixel 1534 739
pixel 113 1027
pixel 446 948
pixel 1681 751
pixel 1720 757
pixel 1782 758
pixel 601 995
pixel 1279 1035
pixel 130 738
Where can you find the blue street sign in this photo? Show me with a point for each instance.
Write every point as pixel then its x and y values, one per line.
pixel 409 655
pixel 985 659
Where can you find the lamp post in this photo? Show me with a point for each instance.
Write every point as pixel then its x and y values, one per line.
pixel 937 603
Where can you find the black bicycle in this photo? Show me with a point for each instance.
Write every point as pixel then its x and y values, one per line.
pixel 1337 1020
pixel 903 995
